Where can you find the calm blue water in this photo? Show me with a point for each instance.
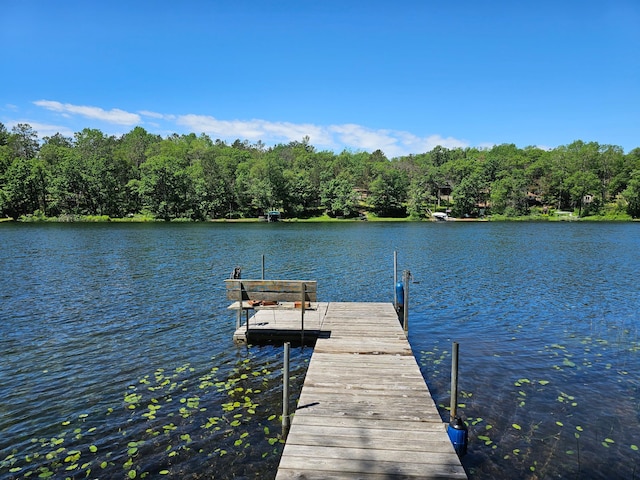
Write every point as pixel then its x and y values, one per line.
pixel 116 358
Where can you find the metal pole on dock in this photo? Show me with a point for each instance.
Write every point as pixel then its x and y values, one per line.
pixel 457 430
pixel 239 316
pixel 454 382
pixel 405 309
pixel 286 420
pixel 395 279
pixel 302 309
pixel 263 266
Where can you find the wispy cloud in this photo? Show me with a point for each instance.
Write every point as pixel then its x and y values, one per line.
pixel 256 129
pixel 417 144
pixel 115 115
pixel 43 129
pixel 393 143
pixel 159 116
pixel 362 137
pixel 333 137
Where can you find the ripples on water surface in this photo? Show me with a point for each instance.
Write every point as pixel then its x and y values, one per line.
pixel 117 359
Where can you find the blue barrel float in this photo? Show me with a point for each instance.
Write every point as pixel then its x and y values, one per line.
pixel 459 435
pixel 399 295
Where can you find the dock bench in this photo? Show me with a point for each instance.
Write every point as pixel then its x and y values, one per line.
pixel 249 295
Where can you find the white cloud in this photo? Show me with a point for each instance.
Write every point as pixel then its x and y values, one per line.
pixel 425 144
pixel 43 129
pixel 364 138
pixel 393 143
pixel 223 128
pixel 295 132
pixel 255 129
pixel 115 115
pixel 159 116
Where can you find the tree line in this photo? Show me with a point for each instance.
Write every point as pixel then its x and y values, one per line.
pixel 195 177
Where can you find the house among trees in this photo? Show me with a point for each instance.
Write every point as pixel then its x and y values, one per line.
pixel 534 199
pixel 444 193
pixel 361 193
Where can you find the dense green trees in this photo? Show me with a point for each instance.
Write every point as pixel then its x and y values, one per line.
pixel 190 176
pixel 632 195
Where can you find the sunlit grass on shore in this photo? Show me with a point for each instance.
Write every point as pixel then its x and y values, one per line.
pixel 608 215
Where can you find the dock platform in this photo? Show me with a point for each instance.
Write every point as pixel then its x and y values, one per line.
pixel 282 322
pixel 365 410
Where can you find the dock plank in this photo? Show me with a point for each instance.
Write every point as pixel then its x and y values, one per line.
pixel 365 410
pixel 321 467
pixel 367 423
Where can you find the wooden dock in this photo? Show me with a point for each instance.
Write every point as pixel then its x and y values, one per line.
pixel 282 322
pixel 365 411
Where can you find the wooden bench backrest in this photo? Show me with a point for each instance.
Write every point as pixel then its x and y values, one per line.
pixel 271 290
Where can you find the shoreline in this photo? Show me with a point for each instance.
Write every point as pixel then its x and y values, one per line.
pixel 324 219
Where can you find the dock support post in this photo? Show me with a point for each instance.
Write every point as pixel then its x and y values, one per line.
pixel 454 382
pixel 302 309
pixel 239 316
pixel 263 266
pixel 286 420
pixel 240 310
pixel 405 309
pixel 457 430
pixel 395 279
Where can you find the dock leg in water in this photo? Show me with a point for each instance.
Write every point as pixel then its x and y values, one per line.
pixel 286 419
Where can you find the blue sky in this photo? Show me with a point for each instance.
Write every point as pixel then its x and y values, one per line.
pixel 401 76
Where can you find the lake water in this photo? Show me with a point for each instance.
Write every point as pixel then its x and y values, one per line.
pixel 117 360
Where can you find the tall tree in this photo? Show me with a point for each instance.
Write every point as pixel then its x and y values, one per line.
pixel 164 186
pixel 4 135
pixel 339 197
pixel 24 141
pixel 105 175
pixel 6 157
pixel 54 154
pixel 23 178
pixel 133 146
pixel 388 192
pixel 632 195
pixel 26 188
pixel 467 194
pixel 210 188
pixel 509 194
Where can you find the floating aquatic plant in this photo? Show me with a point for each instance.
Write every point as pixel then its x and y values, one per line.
pixel 172 405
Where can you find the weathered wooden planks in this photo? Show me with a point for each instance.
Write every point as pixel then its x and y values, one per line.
pixel 278 294
pixel 365 411
pixel 281 322
pixel 272 290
